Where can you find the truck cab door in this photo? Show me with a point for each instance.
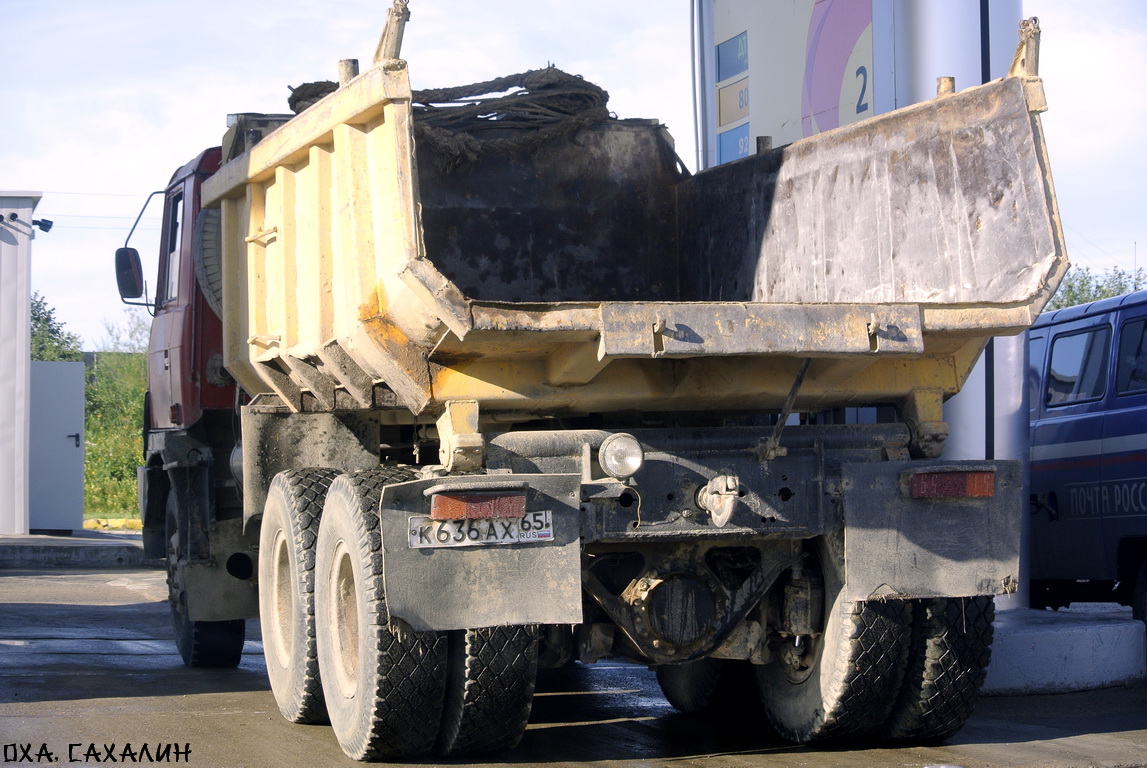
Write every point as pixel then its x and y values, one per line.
pixel 171 313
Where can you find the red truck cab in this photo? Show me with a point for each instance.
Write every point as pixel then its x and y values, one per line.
pixel 185 373
pixel 190 498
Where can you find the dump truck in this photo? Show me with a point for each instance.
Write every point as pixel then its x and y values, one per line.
pixel 445 389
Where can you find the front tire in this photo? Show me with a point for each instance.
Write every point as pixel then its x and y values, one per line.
pixel 286 590
pixel 383 682
pixel 840 683
pixel 200 643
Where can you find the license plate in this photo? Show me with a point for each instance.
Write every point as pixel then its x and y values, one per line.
pixel 427 533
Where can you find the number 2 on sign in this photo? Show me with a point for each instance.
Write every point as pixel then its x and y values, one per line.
pixel 861 104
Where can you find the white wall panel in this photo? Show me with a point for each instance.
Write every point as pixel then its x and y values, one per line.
pixel 16 233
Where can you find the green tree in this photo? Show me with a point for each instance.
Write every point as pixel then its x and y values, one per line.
pixel 50 341
pixel 1080 286
pixel 116 384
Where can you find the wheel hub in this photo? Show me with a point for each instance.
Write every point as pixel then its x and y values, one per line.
pixel 282 597
pixel 343 621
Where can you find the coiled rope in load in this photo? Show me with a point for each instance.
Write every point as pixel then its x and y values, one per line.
pixel 549 102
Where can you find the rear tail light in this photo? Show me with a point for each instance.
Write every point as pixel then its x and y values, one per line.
pixel 477 506
pixel 952 485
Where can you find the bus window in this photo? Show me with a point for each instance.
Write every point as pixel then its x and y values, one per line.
pixel 1078 370
pixel 1131 370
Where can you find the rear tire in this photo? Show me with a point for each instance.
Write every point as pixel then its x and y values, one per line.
pixel 841 684
pixel 489 690
pixel 383 682
pixel 200 643
pixel 689 687
pixel 947 664
pixel 287 591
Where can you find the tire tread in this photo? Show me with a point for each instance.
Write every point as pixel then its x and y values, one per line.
pixel 490 688
pixel 305 491
pixel 877 645
pixel 948 660
pixel 690 687
pixel 403 706
pixel 201 644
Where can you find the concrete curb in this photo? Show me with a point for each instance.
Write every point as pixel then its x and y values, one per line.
pixel 113 524
pixel 84 549
pixel 1090 646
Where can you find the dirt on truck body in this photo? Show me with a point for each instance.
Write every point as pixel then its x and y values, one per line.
pixel 521 395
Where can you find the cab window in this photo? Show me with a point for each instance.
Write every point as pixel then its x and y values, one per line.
pixel 1037 345
pixel 1078 370
pixel 171 248
pixel 1131 370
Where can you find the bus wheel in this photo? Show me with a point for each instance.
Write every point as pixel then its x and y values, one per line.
pixel 1139 599
pixel 1139 594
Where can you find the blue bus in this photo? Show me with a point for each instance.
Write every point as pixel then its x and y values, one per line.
pixel 1088 415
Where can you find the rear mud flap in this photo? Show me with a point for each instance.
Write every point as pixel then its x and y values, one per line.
pixel 896 546
pixel 484 585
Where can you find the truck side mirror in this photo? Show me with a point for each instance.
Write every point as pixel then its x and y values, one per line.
pixel 128 273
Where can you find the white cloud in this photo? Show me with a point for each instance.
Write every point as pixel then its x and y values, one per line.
pixel 1091 55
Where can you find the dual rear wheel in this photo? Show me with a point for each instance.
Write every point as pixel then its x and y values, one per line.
pixel 389 692
pixel 841 682
pixel 899 670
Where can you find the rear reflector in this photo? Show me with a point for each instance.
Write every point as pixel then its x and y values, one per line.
pixel 477 506
pixel 952 485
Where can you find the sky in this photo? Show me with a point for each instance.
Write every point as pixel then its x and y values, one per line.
pixel 101 102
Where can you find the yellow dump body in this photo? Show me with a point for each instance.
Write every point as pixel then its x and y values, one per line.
pixel 887 252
